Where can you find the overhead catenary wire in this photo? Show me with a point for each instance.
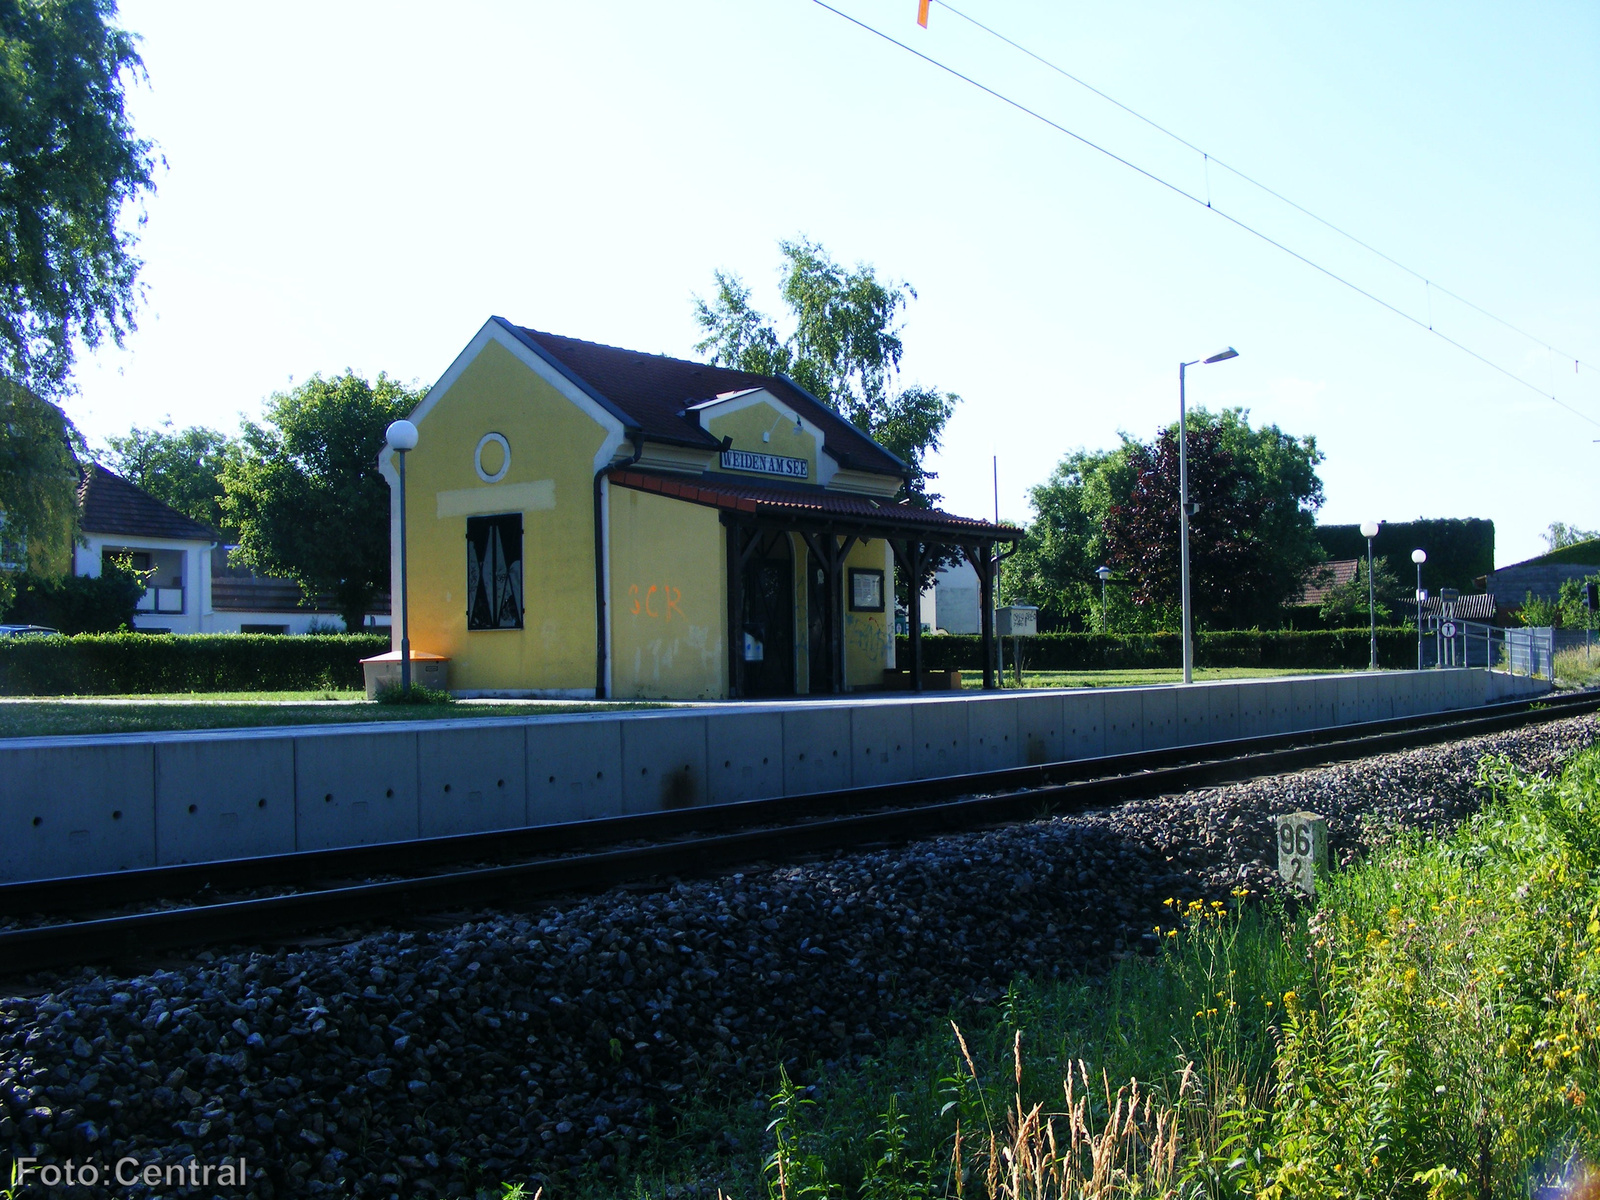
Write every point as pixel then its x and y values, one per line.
pixel 1210 159
pixel 1203 203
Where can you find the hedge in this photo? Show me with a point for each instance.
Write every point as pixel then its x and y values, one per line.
pixel 137 663
pixel 1459 549
pixel 1312 649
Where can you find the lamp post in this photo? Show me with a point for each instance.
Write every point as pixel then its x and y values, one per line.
pixel 1183 504
pixel 1419 556
pixel 1103 574
pixel 401 437
pixel 1369 530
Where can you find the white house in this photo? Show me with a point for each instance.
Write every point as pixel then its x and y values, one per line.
pixel 192 588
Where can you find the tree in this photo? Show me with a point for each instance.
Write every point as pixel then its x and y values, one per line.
pixel 304 491
pixel 845 349
pixel 1348 600
pixel 181 469
pixel 70 166
pixel 38 487
pixel 1560 535
pixel 1251 542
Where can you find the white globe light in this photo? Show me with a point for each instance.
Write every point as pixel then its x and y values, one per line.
pixel 1369 529
pixel 401 436
pixel 1419 557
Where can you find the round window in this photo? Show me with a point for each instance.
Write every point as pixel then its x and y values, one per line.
pixel 493 457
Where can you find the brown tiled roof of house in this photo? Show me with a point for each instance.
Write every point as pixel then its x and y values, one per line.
pixel 1322 578
pixel 813 504
pixel 652 394
pixel 110 504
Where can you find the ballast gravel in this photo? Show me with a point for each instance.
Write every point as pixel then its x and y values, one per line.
pixel 523 1045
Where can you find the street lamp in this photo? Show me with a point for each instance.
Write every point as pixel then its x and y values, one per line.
pixel 1183 504
pixel 1104 573
pixel 1369 530
pixel 1419 556
pixel 401 437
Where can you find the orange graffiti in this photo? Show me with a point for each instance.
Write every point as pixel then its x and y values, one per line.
pixel 672 596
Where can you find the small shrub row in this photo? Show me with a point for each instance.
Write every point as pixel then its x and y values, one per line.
pixel 1291 649
pixel 141 663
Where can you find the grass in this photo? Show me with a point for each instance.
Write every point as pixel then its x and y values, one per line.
pixel 1425 1029
pixel 1137 676
pixel 148 714
pixel 1577 669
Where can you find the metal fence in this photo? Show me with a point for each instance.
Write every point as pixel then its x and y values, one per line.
pixel 1528 652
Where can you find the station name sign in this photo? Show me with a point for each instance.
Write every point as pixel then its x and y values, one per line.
pixel 765 464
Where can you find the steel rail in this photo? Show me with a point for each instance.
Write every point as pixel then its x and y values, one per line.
pixel 925 807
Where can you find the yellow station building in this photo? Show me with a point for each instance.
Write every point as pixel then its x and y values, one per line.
pixel 584 521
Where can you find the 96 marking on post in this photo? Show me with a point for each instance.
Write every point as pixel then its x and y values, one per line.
pixel 1302 849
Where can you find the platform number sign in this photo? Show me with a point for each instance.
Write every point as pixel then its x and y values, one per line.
pixel 1302 849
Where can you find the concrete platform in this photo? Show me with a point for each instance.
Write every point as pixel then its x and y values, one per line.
pixel 85 804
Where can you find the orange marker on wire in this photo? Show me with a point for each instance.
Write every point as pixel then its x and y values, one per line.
pixel 922 13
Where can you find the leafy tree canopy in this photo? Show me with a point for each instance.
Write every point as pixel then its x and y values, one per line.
pixel 304 492
pixel 1347 601
pixel 1560 535
pixel 1250 543
pixel 70 166
pixel 38 485
pixel 845 348
pixel 182 468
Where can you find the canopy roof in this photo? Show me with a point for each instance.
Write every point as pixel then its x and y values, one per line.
pixel 816 508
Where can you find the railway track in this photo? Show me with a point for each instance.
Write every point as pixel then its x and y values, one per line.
pixel 392 881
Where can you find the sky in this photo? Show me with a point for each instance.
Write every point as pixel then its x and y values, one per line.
pixel 361 186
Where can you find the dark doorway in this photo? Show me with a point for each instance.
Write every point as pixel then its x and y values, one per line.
pixel 769 620
pixel 819 657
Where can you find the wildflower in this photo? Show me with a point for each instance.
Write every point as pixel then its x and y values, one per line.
pixel 1169 902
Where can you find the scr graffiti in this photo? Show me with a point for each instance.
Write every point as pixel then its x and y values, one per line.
pixel 659 600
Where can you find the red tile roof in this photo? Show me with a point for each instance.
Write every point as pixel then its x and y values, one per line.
pixel 110 504
pixel 810 504
pixel 1321 579
pixel 651 392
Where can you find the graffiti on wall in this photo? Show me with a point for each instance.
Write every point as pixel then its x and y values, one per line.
pixel 868 636
pixel 657 600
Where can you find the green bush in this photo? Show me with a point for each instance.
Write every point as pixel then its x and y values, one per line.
pixel 101 603
pixel 141 663
pixel 1310 649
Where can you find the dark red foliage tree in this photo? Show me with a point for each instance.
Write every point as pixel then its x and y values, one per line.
pixel 1232 572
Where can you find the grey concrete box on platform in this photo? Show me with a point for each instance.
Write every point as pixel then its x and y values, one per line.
pixel 574 770
pixel 1124 721
pixel 663 762
pixel 76 809
pixel 1083 724
pixel 744 756
pixel 1222 710
pixel 471 779
pixel 881 740
pixel 939 738
pixel 816 750
pixel 993 740
pixel 1160 709
pixel 353 788
pixel 224 798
